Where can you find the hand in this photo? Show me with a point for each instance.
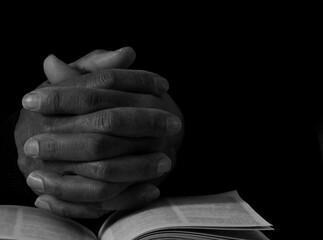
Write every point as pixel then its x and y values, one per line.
pixel 89 169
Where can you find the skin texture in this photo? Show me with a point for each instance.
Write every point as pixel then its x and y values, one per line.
pixel 97 137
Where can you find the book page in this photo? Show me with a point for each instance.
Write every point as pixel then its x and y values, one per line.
pixel 222 210
pixel 219 211
pixel 27 223
pixel 207 235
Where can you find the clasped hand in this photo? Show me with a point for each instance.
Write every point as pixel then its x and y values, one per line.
pixel 92 139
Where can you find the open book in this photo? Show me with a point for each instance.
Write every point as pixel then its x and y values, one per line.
pixel 220 216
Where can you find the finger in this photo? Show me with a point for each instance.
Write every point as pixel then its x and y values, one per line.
pixel 116 79
pixel 133 197
pixel 101 59
pixel 74 100
pixel 138 81
pixel 122 122
pixel 68 209
pixel 57 71
pixel 73 187
pixel 85 146
pixel 132 168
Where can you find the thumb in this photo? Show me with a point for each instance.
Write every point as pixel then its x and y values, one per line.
pixel 57 71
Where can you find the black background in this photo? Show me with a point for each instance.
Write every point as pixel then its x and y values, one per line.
pixel 246 76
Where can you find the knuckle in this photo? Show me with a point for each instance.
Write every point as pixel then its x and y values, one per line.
pixel 105 78
pixel 89 146
pixel 143 80
pixel 99 170
pixel 105 121
pixel 100 122
pixel 62 211
pixel 54 101
pixel 92 99
pixel 151 82
pixel 147 170
pixel 112 170
pixel 51 149
pixel 106 171
pixel 154 124
pixel 58 190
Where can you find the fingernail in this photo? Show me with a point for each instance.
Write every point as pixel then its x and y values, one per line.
pixel 31 101
pixel 31 147
pixel 35 182
pixel 173 125
pixel 162 84
pixel 164 166
pixel 43 204
pixel 152 194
